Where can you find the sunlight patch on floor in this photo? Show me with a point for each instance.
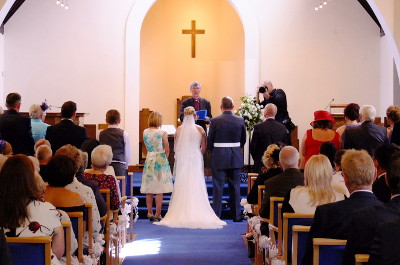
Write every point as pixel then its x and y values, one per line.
pixel 141 247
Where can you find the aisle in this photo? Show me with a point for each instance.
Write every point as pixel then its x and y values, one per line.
pixel 161 245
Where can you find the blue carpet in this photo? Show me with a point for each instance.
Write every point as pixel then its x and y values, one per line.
pixel 162 245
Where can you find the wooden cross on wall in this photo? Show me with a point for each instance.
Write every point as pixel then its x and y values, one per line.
pixel 193 31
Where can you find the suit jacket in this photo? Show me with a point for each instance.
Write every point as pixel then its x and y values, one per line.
pixel 265 133
pixel 204 104
pixel 332 220
pixel 16 129
pixel 381 189
pixel 395 137
pixel 65 132
pixel 363 228
pixel 226 128
pixel 367 136
pixel 386 247
pixel 279 186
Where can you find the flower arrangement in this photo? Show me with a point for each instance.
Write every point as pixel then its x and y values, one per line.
pixel 250 111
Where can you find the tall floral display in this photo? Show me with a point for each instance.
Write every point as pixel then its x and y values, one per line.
pixel 251 113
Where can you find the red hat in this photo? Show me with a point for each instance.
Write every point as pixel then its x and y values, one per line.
pixel 322 115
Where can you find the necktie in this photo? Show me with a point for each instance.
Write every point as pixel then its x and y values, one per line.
pixel 196 104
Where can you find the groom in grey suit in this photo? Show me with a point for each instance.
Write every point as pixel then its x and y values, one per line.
pixel 226 137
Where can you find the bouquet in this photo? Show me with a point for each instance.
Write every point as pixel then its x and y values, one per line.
pixel 250 111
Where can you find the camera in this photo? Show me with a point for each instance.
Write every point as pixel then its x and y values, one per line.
pixel 262 89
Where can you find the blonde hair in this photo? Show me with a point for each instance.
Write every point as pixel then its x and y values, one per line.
pixel 358 167
pixel 8 150
pixel 318 178
pixel 43 152
pixel 393 113
pixel 267 158
pixel 155 119
pixel 35 111
pixel 189 111
pixel 72 152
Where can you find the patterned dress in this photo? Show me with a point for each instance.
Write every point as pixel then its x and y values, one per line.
pixel 107 182
pixel 156 176
pixel 43 219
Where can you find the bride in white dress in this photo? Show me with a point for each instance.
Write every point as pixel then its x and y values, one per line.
pixel 189 206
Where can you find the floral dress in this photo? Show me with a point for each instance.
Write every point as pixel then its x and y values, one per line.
pixel 157 177
pixel 43 219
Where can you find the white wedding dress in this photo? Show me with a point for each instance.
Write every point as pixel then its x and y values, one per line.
pixel 189 206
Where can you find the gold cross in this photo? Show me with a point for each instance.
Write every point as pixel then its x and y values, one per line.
pixel 193 31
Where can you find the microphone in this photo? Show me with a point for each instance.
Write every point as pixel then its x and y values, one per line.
pixel 329 103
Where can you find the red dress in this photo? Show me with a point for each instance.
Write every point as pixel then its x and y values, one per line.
pixel 312 146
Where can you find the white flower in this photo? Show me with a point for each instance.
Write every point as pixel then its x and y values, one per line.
pixel 97 249
pixel 263 242
pixel 99 239
pixel 257 228
pixel 87 260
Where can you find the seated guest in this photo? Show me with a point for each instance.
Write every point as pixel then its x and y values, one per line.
pixel 66 131
pixel 317 189
pixel 386 248
pixel 351 115
pixel 382 159
pixel 88 146
pixel 338 183
pixel 322 132
pixel 265 133
pixel 118 139
pixel 43 154
pixel 366 136
pixel 80 160
pixel 60 172
pixel 365 222
pixel 101 159
pixel 270 160
pixel 332 220
pixel 279 185
pixel 41 142
pixel 33 217
pixel 392 116
pixel 37 116
pixel 5 148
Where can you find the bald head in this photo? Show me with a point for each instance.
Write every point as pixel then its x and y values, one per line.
pixel 270 111
pixel 289 157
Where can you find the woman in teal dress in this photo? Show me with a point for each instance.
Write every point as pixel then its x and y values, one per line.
pixel 157 178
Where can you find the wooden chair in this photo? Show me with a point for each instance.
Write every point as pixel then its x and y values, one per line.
pixel 106 195
pixel 328 251
pixel 300 235
pixel 261 189
pixel 79 230
pixel 22 249
pixel 251 177
pixel 122 179
pixel 89 226
pixel 105 221
pixel 273 209
pixel 361 258
pixel 290 219
pixel 67 226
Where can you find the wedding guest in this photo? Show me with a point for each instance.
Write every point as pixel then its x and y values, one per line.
pixel 321 132
pixel 41 142
pixel 118 139
pixel 317 189
pixel 88 146
pixel 5 148
pixel 18 213
pixel 270 160
pixel 15 127
pixel 101 159
pixel 43 154
pixel 197 103
pixel 37 116
pixel 156 178
pixel 392 116
pixel 351 115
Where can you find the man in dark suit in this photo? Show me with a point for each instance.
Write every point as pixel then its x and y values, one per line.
pixel 15 128
pixel 395 138
pixel 265 133
pixel 289 160
pixel 386 247
pixel 368 135
pixel 332 220
pixel 66 131
pixel 226 138
pixel 197 103
pixel 364 223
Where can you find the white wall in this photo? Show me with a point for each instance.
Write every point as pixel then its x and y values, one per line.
pixel 79 54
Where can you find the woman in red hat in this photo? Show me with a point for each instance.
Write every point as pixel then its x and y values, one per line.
pixel 322 132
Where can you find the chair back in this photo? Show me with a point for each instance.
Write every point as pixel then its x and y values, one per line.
pixel 122 185
pixel 67 226
pixel 289 220
pixel 251 177
pixel 362 259
pixel 89 225
pixel 261 189
pixel 78 227
pixel 328 251
pixel 30 250
pixel 273 209
pixel 300 235
pixel 106 195
pixel 105 222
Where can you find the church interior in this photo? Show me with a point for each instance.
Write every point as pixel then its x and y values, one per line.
pixel 132 55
